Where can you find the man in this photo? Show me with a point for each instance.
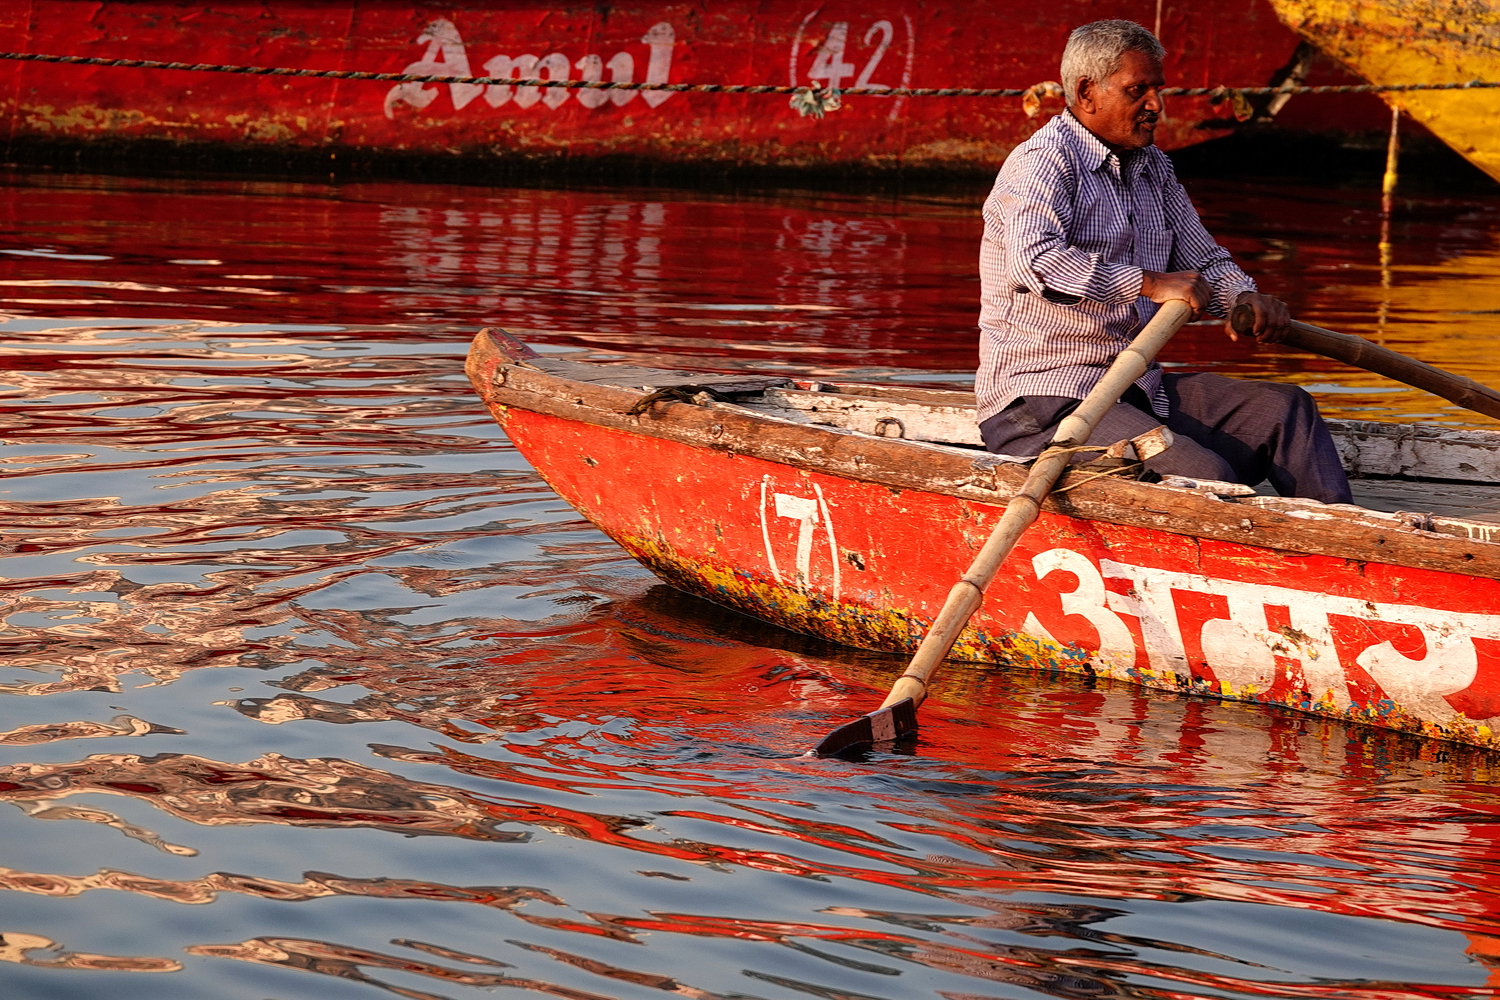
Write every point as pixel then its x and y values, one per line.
pixel 1086 231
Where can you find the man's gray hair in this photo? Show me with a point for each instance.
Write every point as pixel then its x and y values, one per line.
pixel 1094 52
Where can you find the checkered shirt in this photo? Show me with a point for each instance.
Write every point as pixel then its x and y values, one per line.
pixel 1068 229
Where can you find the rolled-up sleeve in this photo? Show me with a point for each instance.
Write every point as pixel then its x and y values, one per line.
pixel 1196 250
pixel 1033 205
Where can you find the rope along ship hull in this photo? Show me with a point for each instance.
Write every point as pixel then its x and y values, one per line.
pixel 847 511
pixel 839 43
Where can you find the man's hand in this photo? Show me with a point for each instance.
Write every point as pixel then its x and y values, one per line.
pixel 1188 286
pixel 1273 321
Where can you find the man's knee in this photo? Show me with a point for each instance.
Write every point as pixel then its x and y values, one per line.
pixel 1189 458
pixel 1280 402
pixel 1293 395
pixel 1205 391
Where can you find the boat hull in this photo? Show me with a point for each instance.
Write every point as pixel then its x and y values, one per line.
pixel 869 565
pixel 1404 42
pixel 888 43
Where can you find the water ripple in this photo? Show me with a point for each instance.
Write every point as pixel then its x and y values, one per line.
pixel 285 619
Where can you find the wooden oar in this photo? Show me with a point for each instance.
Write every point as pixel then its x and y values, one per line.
pixel 897 715
pixel 1361 353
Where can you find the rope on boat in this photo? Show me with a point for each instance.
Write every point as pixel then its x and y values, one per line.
pixel 1126 470
pixel 677 394
pixel 824 98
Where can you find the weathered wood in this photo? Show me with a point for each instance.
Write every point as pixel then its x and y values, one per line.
pixel 1420 451
pixel 961 473
pixel 1478 503
pixel 506 347
pixel 1367 447
pixel 913 394
pixel 1361 353
pixel 741 430
pixel 1468 528
pixel 894 417
pixel 633 377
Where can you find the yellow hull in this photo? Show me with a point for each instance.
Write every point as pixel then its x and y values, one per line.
pixel 1418 41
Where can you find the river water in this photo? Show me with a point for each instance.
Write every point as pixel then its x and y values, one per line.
pixel 315 690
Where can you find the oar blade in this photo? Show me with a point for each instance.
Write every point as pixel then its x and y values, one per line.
pixel 880 726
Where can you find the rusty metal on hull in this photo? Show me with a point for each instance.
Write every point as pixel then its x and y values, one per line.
pixel 888 43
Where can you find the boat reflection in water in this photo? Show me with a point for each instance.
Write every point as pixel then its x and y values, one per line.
pixel 1092 793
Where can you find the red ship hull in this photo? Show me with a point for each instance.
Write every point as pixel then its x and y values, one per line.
pixel 890 43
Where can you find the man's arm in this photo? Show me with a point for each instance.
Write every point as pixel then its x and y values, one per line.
pixel 1033 199
pixel 1194 249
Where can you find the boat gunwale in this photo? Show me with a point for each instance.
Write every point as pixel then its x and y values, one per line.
pixel 505 380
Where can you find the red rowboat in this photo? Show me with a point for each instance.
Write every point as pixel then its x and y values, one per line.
pixel 846 511
pixel 840 43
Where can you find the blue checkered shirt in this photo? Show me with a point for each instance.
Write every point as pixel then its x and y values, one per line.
pixel 1068 229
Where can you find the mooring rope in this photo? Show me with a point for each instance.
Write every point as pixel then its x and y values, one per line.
pixel 806 100
pixel 494 81
pixel 713 88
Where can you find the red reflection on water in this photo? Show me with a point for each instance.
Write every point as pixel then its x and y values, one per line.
pixel 1103 791
pixel 819 282
pixel 825 281
pixel 193 486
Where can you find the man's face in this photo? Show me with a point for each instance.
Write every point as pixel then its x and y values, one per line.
pixel 1123 112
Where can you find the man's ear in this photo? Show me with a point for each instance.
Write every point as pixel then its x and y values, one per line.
pixel 1086 93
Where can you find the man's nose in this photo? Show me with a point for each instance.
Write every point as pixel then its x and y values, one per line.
pixel 1154 102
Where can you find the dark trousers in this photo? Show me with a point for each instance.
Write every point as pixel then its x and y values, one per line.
pixel 1228 429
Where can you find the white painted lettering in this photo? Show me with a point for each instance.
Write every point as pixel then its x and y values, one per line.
pixel 591 68
pixel 1088 600
pixel 805 511
pixel 829 63
pixel 442 39
pixel 552 67
pixel 661 38
pixel 1339 641
pixel 621 70
pixel 446 56
pixel 887 31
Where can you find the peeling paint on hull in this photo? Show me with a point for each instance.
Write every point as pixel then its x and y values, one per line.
pixel 868 565
pixel 888 43
pixel 1418 41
